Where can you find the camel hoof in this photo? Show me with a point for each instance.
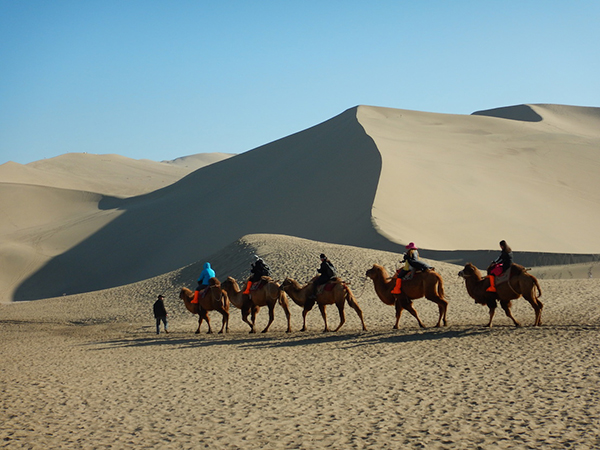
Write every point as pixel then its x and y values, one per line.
pixel 288 331
pixel 197 332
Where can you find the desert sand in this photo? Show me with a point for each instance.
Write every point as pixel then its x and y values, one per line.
pixel 91 240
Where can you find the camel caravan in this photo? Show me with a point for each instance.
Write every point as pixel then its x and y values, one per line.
pixel 504 282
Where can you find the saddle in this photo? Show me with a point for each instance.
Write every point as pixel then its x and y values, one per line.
pixel 200 294
pixel 328 287
pixel 513 271
pixel 503 277
pixel 260 283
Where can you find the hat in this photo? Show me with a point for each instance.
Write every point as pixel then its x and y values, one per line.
pixel 323 256
pixel 411 246
pixel 161 296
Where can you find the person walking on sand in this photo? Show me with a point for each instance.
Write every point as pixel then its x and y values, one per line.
pixel 160 314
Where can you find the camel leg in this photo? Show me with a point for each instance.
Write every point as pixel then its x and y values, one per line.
pixel 340 307
pixel 286 309
pixel 199 323
pixel 245 313
pixel 399 309
pixel 271 316
pixel 356 308
pixel 324 315
pixel 537 308
pixel 307 307
pixel 407 304
pixel 225 325
pixel 204 313
pixel 506 307
pixel 304 313
pixel 492 312
pixel 443 308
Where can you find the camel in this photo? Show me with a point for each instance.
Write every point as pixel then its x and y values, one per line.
pixel 426 284
pixel 267 295
pixel 338 296
pixel 520 284
pixel 216 299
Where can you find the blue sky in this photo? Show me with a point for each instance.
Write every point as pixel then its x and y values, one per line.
pixel 163 79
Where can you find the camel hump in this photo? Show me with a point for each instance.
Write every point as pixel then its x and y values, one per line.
pixel 517 269
pixel 266 278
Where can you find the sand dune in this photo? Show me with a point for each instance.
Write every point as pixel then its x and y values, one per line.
pixel 454 182
pixel 87 370
pixel 370 177
pixel 105 174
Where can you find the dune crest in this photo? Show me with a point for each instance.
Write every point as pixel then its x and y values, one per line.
pixel 370 177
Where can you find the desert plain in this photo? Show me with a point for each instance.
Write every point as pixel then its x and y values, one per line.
pixel 87 242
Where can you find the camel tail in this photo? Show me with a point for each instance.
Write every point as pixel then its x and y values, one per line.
pixel 350 296
pixel 537 285
pixel 440 288
pixel 282 298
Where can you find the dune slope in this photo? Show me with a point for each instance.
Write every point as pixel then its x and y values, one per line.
pixel 369 177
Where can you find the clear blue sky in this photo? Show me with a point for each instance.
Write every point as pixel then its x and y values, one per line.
pixel 163 79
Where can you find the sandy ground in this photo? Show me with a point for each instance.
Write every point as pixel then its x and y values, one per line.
pixel 89 371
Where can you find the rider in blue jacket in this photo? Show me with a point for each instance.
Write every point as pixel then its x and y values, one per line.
pixel 203 280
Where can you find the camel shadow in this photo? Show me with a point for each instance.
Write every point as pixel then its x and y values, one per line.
pixel 348 339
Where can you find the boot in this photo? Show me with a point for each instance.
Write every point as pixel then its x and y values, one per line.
pixel 398 288
pixel 492 287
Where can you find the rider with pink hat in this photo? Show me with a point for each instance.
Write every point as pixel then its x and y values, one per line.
pixel 411 263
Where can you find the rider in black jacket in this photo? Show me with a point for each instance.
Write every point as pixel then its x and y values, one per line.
pixel 258 269
pixel 326 271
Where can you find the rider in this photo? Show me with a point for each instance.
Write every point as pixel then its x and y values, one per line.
pixel 203 280
pixel 326 271
pixel 411 263
pixel 258 269
pixel 500 265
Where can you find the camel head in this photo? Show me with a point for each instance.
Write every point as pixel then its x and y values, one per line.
pixel 290 283
pixel 185 294
pixel 469 271
pixel 230 283
pixel 376 271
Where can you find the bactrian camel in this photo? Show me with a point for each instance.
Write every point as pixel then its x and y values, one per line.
pixel 519 284
pixel 215 299
pixel 428 284
pixel 269 294
pixel 338 295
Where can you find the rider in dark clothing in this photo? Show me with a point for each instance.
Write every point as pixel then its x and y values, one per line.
pixel 326 271
pixel 258 269
pixel 500 265
pixel 505 258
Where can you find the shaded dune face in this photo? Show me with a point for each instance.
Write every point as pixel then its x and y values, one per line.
pixel 370 177
pixel 317 184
